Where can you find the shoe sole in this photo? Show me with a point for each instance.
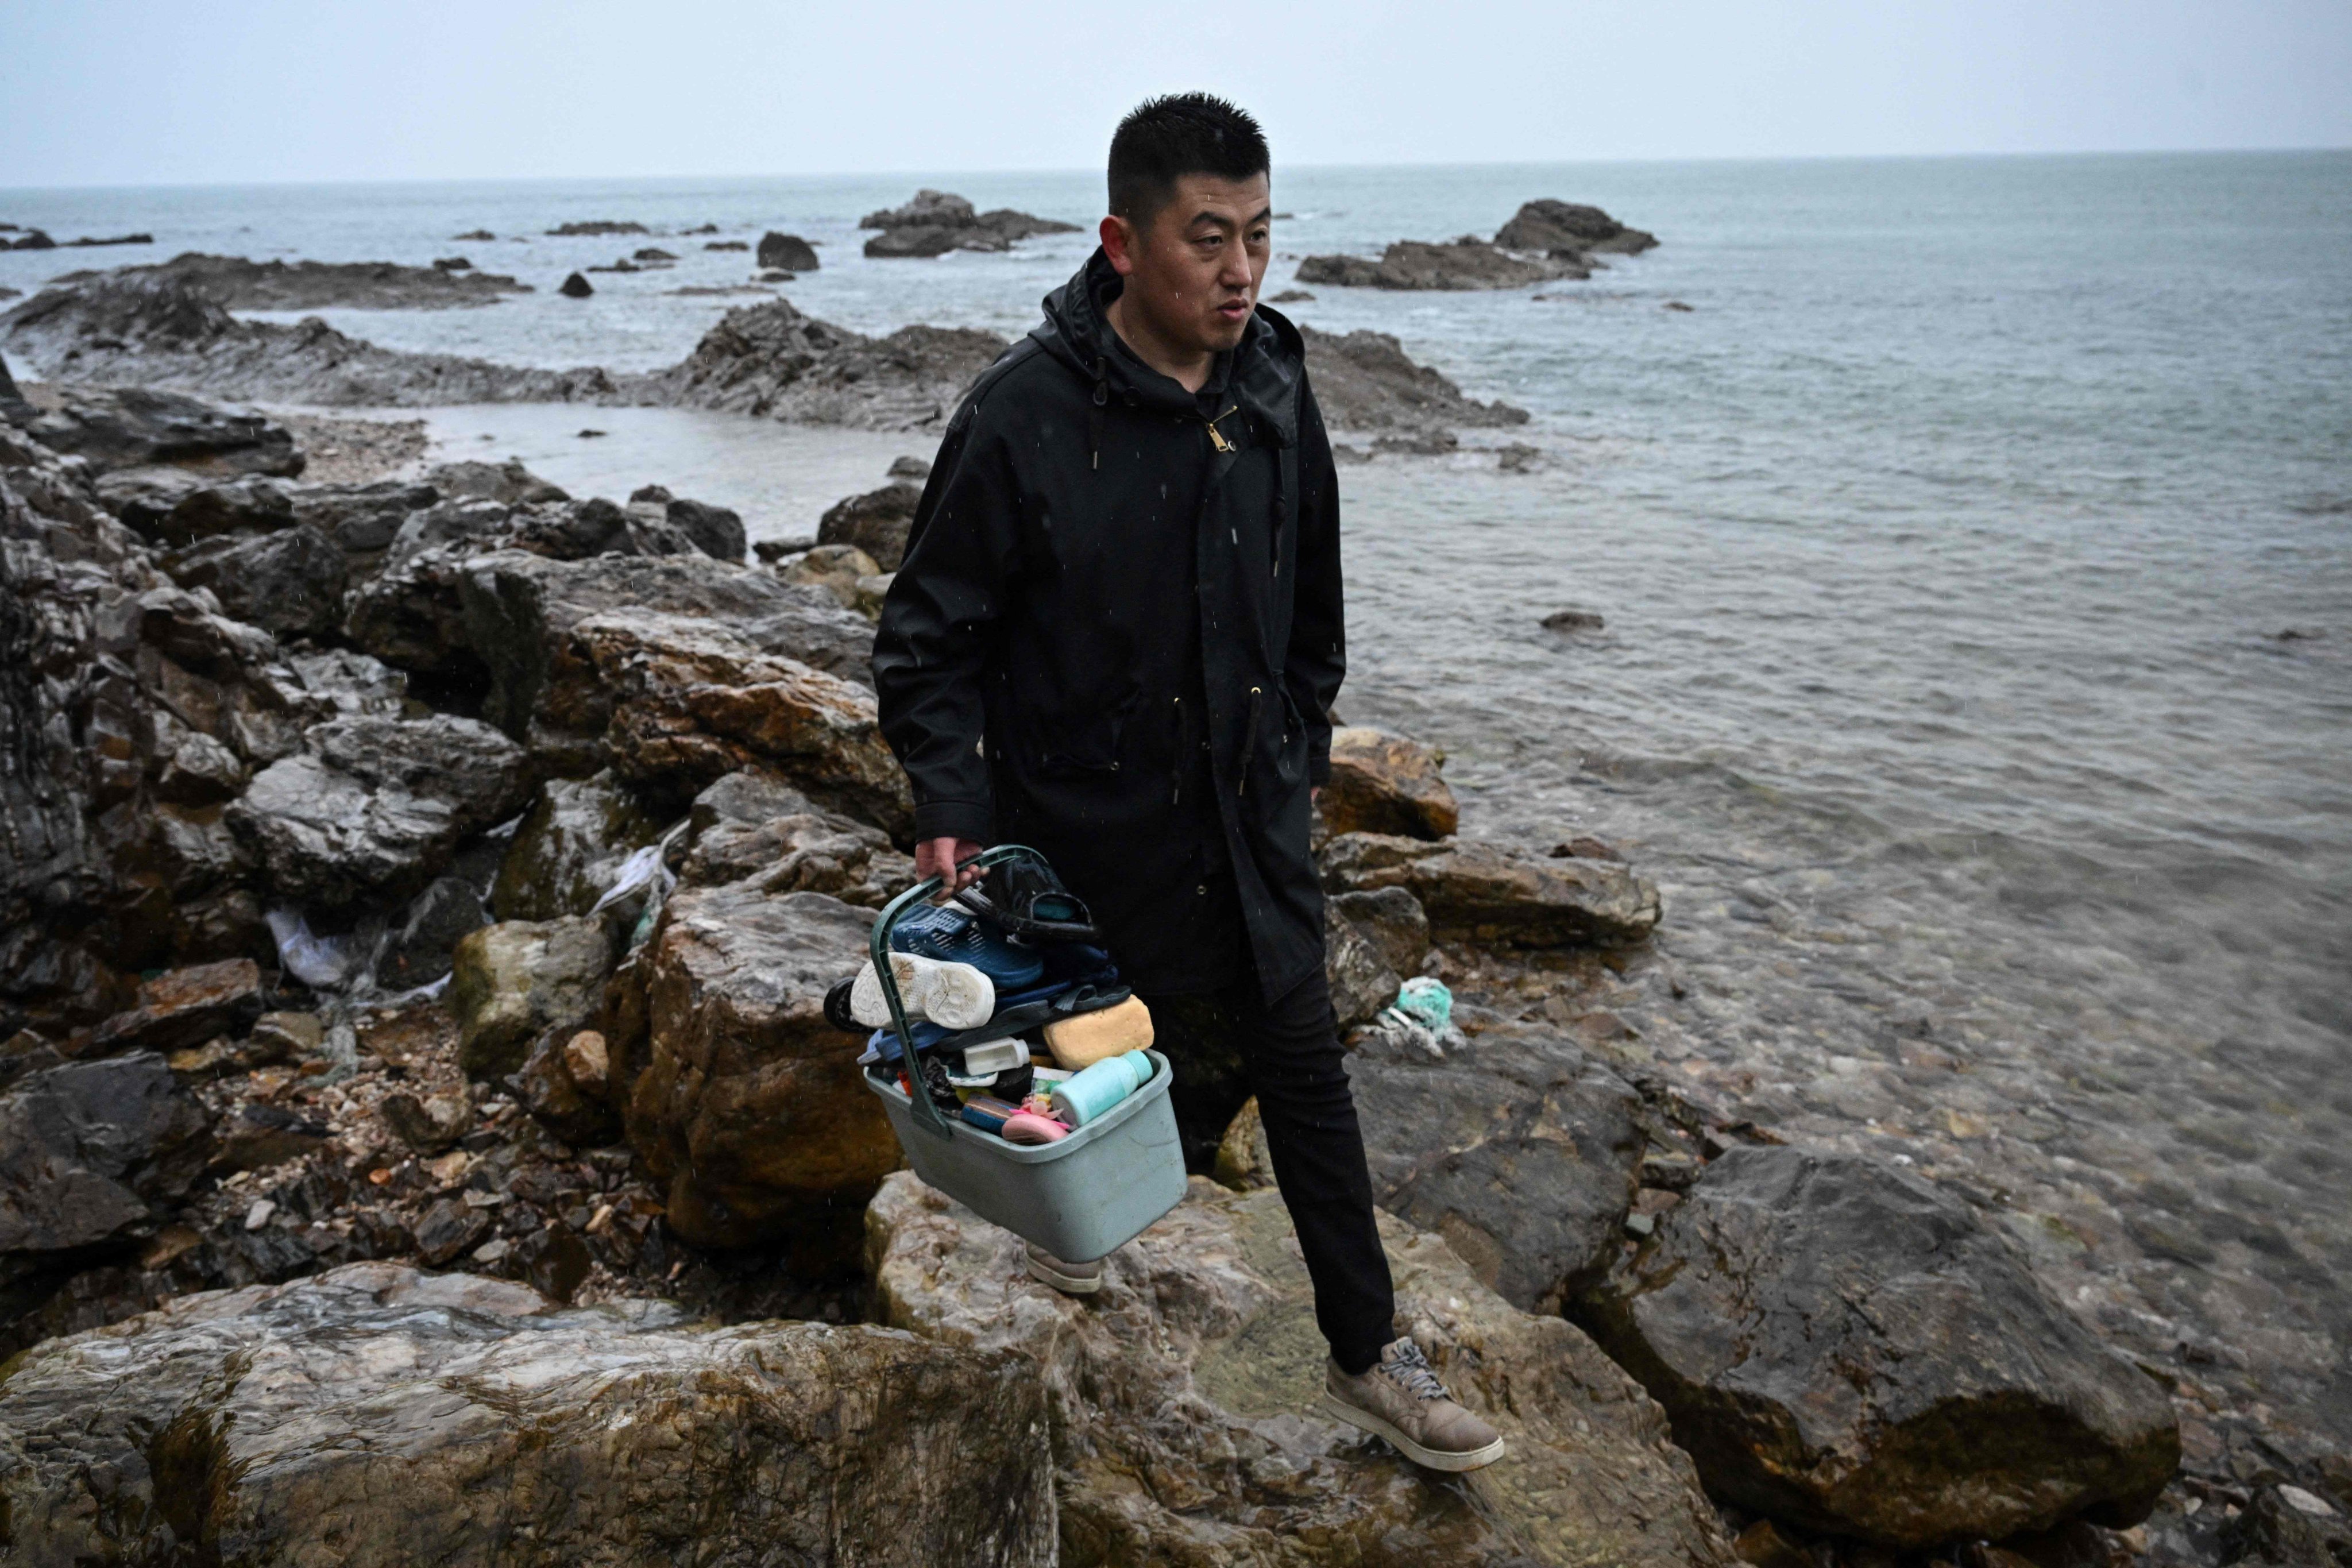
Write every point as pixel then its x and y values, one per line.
pixel 1067 1284
pixel 1433 1458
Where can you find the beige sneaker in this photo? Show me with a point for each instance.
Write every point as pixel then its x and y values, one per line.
pixel 1069 1279
pixel 1400 1399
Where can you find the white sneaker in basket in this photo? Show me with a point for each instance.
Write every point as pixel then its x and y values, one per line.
pixel 953 996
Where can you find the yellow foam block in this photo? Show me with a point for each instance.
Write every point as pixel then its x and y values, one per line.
pixel 1089 1037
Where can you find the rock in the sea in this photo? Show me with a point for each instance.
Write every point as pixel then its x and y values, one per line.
pixel 1572 621
pixel 1844 1346
pixel 92 1152
pixel 375 1416
pixel 1364 381
pixel 1361 983
pixel 133 427
pixel 570 848
pixel 717 531
pixel 376 805
pixel 1467 263
pixel 1517 1150
pixel 1393 921
pixel 877 523
pixel 695 702
pixel 1557 229
pixel 771 360
pixel 514 981
pixel 750 1109
pixel 183 1007
pixel 290 582
pixel 1182 1401
pixel 1383 783
pixel 245 284
pixel 788 251
pixel 937 222
pixel 1483 892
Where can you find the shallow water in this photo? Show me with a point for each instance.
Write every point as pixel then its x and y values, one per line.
pixel 1976 556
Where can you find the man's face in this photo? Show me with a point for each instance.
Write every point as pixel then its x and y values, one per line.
pixel 1194 269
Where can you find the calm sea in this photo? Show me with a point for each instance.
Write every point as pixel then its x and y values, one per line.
pixel 1976 555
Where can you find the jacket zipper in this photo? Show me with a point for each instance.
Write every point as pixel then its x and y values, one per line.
pixel 1217 436
pixel 1249 740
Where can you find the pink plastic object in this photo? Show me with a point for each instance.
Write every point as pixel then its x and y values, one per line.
pixel 1023 1127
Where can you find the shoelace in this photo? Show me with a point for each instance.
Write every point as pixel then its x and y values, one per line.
pixel 1411 1371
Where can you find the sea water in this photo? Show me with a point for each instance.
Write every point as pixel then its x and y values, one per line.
pixel 1976 561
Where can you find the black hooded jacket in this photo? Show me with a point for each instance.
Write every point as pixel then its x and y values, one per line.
pixel 1116 638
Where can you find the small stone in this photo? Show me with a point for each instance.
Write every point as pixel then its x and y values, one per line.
pixel 492 1250
pixel 576 287
pixel 448 1229
pixel 2302 1501
pixel 584 1056
pixel 1573 621
pixel 450 1168
pixel 258 1214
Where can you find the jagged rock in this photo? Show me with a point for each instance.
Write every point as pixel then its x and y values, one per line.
pixel 1244 1161
pixel 512 982
pixel 428 1125
pixel 553 1261
pixel 175 507
pixel 290 582
pixel 133 427
pixel 600 225
pixel 1393 921
pixel 948 223
pixel 570 848
pixel 1383 783
pixel 91 1152
pixel 1361 984
pixel 1557 229
pixel 1467 263
pixel 255 1136
pixel 787 251
pixel 575 287
pixel 941 209
pixel 361 518
pixel 376 1417
pixel 877 523
pixel 754 825
pixel 2280 1527
pixel 351 684
pixel 1846 1348
pixel 245 285
pixel 377 804
pixel 1182 1401
pixel 771 360
pixel 694 702
pixel 1483 892
pixel 1517 1150
pixel 183 1007
pixel 410 616
pixel 509 483
pixel 422 947
pixel 927 240
pixel 572 1104
pixel 749 1110
pixel 1363 381
pixel 715 530
pixel 835 568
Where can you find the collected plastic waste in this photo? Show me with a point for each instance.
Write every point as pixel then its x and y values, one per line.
pixel 321 962
pixel 1089 1093
pixel 1421 1015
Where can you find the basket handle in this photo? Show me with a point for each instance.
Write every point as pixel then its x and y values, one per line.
pixel 926 1115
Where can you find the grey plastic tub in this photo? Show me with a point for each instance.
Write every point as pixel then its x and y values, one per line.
pixel 1080 1198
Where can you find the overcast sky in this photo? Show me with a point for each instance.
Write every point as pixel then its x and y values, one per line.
pixel 165 92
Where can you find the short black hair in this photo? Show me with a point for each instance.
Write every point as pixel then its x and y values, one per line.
pixel 1164 139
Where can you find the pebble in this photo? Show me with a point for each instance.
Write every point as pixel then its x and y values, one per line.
pixel 258 1214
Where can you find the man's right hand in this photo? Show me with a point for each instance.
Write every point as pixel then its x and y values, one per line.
pixel 944 858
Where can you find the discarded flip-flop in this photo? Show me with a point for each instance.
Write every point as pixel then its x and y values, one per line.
pixel 1024 1127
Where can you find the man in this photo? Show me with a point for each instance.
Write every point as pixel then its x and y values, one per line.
pixel 1115 638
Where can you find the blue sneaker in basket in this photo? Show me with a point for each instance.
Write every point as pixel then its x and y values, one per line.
pixel 953 935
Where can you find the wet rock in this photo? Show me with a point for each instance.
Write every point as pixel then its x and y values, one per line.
pixel 877 523
pixel 410 616
pixel 377 1417
pixel 1467 263
pixel 514 981
pixel 1383 783
pixel 183 1007
pixel 245 285
pixel 1393 921
pixel 376 805
pixel 694 702
pixel 835 568
pixel 93 1152
pixel 1361 984
pixel 574 287
pixel 1198 1366
pixel 553 1261
pixel 1846 1348
pixel 570 848
pixel 254 1137
pixel 749 1111
pixel 909 468
pixel 165 507
pixel 1517 1149
pixel 362 520
pixel 132 426
pixel 1364 381
pixel 715 530
pixel 565 1084
pixel 1483 892
pixel 421 948
pixel 2286 1526
pixel 429 1125
pixel 1557 228
pixel 1572 621
pixel 449 1230
pixel 788 251
pixel 507 483
pixel 789 844
pixel 771 360
pixel 290 582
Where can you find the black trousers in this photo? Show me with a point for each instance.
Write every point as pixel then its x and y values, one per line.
pixel 1290 1050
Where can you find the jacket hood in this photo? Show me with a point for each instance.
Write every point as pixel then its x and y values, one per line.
pixel 1269 366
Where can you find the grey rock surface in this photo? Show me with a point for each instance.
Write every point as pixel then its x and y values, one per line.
pixel 1477 891
pixel 512 982
pixel 569 849
pixel 1365 382
pixel 90 1153
pixel 877 523
pixel 1554 227
pixel 1466 263
pixel 132 426
pixel 290 582
pixel 279 285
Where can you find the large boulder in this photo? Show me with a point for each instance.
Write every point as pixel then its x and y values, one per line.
pixel 877 523
pixel 1364 381
pixel 290 582
pixel 375 1416
pixel 1392 920
pixel 512 982
pixel 1183 1425
pixel 91 1154
pixel 1567 228
pixel 570 848
pixel 750 1108
pixel 1519 1152
pixel 1361 983
pixel 1844 1347
pixel 1385 783
pixel 693 701
pixel 773 360
pixel 183 1007
pixel 1485 893
pixel 362 520
pixel 789 251
pixel 174 506
pixel 133 427
pixel 1467 263
pixel 377 804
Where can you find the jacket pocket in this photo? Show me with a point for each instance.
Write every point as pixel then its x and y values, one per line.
pixel 1077 744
